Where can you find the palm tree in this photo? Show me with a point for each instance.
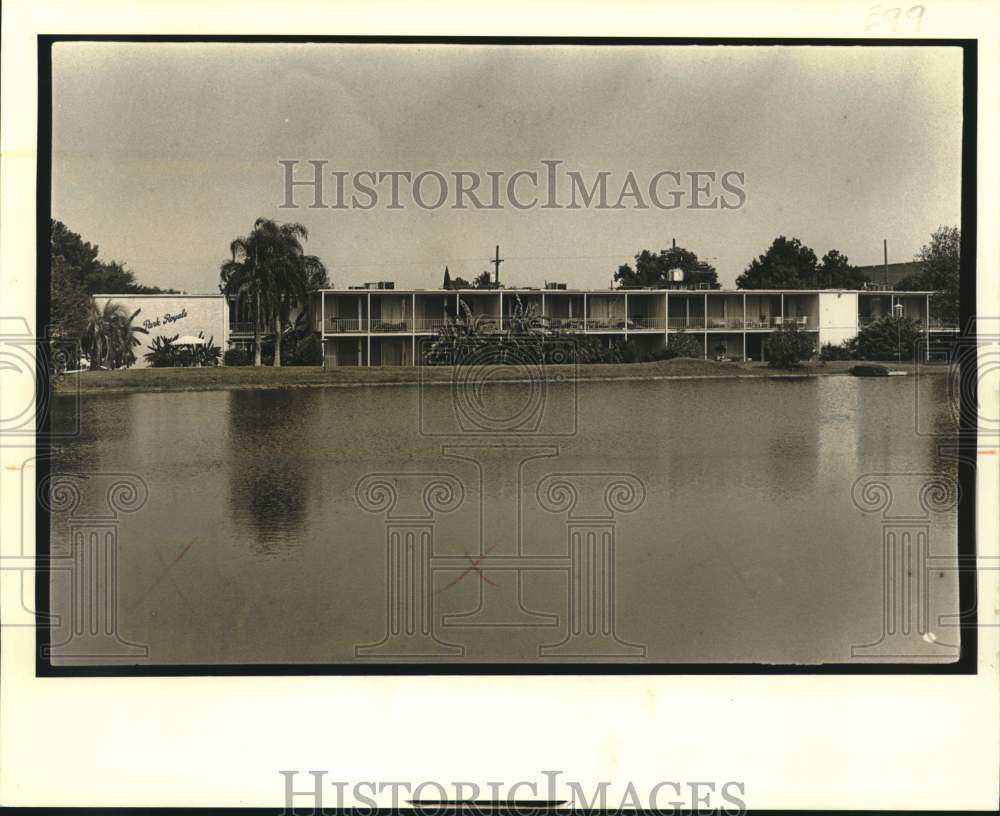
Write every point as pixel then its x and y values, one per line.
pixel 297 275
pixel 270 268
pixel 110 336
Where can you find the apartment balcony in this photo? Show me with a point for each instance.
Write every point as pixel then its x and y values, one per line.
pixel 725 323
pixel 801 322
pixel 345 325
pixel 776 322
pixel 488 324
pixel 937 324
pixel 495 324
pixel 243 328
pixel 647 324
pixel 686 323
pixel 390 325
pixel 607 324
pixel 427 325
pixel 565 324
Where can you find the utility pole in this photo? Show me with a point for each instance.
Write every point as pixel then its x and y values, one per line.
pixel 497 260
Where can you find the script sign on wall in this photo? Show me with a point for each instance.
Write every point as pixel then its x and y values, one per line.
pixel 170 315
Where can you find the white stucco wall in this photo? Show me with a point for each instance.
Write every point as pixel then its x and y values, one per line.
pixel 169 315
pixel 838 317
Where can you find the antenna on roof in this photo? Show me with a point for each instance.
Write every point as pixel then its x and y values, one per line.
pixel 497 260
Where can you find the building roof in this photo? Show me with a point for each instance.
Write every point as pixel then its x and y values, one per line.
pixel 147 295
pixel 539 291
pixel 896 272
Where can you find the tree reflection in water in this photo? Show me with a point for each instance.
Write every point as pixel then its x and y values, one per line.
pixel 268 496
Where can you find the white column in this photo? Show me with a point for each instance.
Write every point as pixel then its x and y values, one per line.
pixel 705 322
pixel 927 327
pixel 744 327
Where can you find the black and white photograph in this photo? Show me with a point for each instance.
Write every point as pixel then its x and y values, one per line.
pixel 387 386
pixel 459 354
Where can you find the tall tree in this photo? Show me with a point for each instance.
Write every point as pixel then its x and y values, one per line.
pixel 835 271
pixel 96 276
pixel 70 302
pixel 483 281
pixel 447 279
pixel 269 268
pixel 940 264
pixel 787 264
pixel 653 268
pixel 110 335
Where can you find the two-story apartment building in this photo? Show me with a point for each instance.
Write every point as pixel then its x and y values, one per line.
pixel 384 327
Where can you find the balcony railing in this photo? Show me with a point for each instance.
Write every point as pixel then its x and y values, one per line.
pixel 685 323
pixel 427 324
pixel 387 325
pixel 241 327
pixel 725 322
pixel 565 324
pixel 647 323
pixel 606 324
pixel 339 325
pixel 776 321
pixel 488 324
pixel 937 324
pixel 800 321
pixel 493 324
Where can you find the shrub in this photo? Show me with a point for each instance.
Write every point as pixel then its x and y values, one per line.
pixel 614 353
pixel 889 338
pixel 308 352
pixel 681 345
pixel 237 357
pixel 209 354
pixel 573 349
pixel 161 352
pixel 848 350
pixel 164 354
pixel 787 347
pixel 632 352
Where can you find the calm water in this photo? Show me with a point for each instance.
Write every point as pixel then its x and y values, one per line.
pixel 252 546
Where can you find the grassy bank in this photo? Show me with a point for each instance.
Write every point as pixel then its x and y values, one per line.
pixel 223 378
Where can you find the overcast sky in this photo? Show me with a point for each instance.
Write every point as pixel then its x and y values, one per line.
pixel 163 153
